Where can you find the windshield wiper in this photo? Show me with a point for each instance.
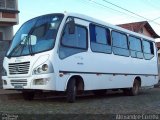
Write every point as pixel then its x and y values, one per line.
pixel 14 49
pixel 30 46
pixel 27 41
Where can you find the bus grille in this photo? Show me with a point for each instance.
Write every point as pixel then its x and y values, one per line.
pixel 22 82
pixel 19 68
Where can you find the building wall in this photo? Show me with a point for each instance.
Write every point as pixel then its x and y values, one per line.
pixel 4 45
pixel 8 18
pixel 145 32
pixel 7 32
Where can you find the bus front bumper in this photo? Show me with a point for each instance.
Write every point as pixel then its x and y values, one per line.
pixel 36 82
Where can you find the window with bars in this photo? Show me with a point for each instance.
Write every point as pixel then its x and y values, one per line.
pixel 8 4
pixel 11 4
pixel 2 4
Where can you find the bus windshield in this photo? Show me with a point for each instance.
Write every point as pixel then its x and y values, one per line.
pixel 35 36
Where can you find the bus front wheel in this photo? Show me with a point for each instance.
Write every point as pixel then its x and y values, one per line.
pixel 71 90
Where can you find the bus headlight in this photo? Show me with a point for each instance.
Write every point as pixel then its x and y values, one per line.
pixel 43 69
pixel 4 72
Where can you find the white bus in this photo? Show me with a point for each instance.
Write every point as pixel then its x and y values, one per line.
pixel 71 52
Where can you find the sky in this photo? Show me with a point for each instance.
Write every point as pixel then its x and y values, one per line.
pixel 99 9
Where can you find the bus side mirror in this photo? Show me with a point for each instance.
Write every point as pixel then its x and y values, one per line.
pixel 32 39
pixel 71 26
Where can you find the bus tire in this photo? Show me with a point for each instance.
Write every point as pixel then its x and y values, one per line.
pixel 135 89
pixel 28 95
pixel 71 91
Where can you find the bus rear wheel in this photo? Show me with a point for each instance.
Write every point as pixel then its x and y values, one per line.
pixel 71 90
pixel 135 89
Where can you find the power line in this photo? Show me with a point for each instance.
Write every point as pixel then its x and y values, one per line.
pixel 100 5
pixel 156 18
pixel 131 12
pixel 110 8
pixel 153 21
pixel 106 6
pixel 125 9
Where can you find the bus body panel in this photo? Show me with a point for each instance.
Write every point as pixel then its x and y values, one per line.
pixel 104 74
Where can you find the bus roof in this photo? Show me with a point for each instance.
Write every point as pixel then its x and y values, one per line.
pixel 94 20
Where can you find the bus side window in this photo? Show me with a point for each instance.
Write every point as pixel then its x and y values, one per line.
pixel 100 39
pixel 73 43
pixel 120 44
pixel 148 49
pixel 135 47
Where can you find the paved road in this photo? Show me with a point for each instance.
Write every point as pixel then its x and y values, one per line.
pixel 147 102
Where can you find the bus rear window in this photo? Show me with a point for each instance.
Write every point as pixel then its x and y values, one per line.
pixel 148 49
pixel 135 47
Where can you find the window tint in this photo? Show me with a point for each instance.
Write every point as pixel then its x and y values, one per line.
pixel 73 43
pixel 101 35
pixel 40 31
pixel 100 39
pixel 77 40
pixel 135 47
pixel 148 49
pixel 120 45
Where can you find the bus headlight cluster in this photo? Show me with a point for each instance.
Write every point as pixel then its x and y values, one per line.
pixel 43 69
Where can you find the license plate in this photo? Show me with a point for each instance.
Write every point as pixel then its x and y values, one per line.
pixel 18 86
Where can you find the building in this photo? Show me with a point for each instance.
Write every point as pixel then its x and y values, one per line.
pixel 145 29
pixel 8 18
pixel 142 28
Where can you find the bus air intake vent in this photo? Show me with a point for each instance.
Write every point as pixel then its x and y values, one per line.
pixel 22 82
pixel 19 68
